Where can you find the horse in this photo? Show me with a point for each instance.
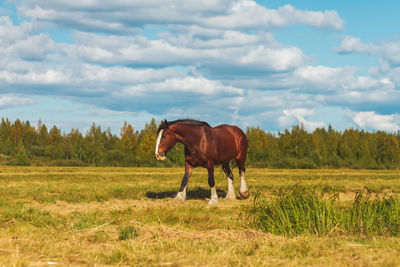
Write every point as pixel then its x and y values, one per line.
pixel 205 146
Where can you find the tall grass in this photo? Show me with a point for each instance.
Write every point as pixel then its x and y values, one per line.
pixel 301 210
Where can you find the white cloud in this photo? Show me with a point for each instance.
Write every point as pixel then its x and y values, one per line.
pixel 35 47
pixel 338 80
pixel 391 51
pixel 323 77
pixel 352 44
pixel 373 121
pixel 74 18
pixel 387 83
pixel 192 85
pixel 34 78
pixel 10 33
pixel 318 19
pixel 248 14
pixel 124 16
pixel 141 51
pixel 389 75
pixel 205 38
pixel 7 101
pixel 281 59
pixel 17 40
pixel 291 117
pixel 123 75
pixel 388 50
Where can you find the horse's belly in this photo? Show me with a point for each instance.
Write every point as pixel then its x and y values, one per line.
pixel 224 159
pixel 195 161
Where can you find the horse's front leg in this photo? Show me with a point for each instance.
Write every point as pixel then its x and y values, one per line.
pixel 229 178
pixel 185 180
pixel 211 183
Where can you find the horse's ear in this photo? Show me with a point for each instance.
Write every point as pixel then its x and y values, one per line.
pixel 166 123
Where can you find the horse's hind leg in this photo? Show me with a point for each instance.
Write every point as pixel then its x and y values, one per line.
pixel 229 178
pixel 185 180
pixel 211 183
pixel 243 191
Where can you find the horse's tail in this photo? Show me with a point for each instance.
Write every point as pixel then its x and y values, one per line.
pixel 240 161
pixel 243 144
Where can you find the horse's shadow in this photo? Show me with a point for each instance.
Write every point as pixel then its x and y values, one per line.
pixel 197 193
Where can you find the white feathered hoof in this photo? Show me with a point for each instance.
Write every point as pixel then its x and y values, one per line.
pixel 180 197
pixel 244 194
pixel 230 195
pixel 213 201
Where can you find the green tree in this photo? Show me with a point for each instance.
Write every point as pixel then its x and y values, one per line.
pixel 262 146
pixel 332 147
pixel 112 141
pixel 6 145
pixel 43 134
pixel 146 142
pixel 54 149
pixel 75 139
pixel 320 139
pixel 21 156
pixel 16 132
pixel 301 142
pixel 94 150
pixel 29 135
pixel 176 156
pixel 129 143
pixel 388 149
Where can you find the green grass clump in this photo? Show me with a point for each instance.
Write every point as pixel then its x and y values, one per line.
pixel 378 216
pixel 301 210
pixel 127 232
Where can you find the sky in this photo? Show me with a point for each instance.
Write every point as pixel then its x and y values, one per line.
pixel 271 64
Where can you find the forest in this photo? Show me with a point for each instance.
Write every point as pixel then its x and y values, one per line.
pixel 22 144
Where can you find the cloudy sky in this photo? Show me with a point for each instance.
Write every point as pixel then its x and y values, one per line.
pixel 271 64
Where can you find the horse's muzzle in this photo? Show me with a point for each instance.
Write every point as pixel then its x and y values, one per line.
pixel 160 156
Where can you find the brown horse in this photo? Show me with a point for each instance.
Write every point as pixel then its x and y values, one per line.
pixel 206 147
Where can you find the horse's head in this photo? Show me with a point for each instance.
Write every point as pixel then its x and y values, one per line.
pixel 166 139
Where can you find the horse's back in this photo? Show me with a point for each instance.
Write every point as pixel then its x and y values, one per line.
pixel 226 130
pixel 230 141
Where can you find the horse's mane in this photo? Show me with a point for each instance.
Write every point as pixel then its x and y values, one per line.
pixel 164 124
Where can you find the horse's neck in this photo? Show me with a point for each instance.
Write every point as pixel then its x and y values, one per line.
pixel 187 135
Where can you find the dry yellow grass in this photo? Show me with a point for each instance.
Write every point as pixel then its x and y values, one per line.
pixel 75 216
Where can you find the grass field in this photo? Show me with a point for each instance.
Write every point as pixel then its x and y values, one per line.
pixel 126 216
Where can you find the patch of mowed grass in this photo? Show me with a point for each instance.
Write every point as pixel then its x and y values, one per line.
pixel 18 212
pixel 83 220
pixel 187 216
pixel 117 256
pixel 71 192
pixel 302 210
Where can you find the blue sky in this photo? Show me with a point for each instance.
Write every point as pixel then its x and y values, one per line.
pixel 271 64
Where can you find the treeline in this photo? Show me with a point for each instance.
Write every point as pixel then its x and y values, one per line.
pixel 24 144
pixel 323 148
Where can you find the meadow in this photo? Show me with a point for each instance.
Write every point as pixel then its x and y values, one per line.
pixel 127 216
